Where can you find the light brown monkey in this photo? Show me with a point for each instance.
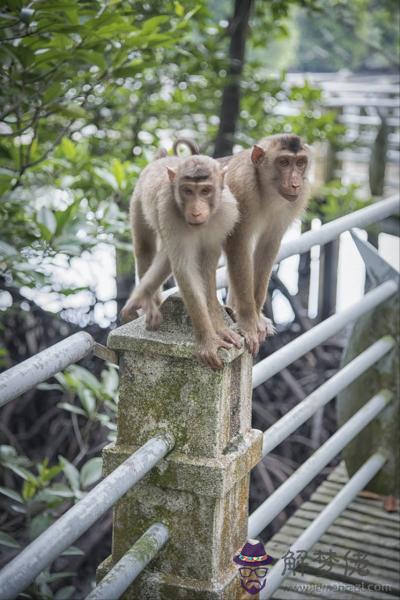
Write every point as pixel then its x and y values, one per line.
pixel 181 214
pixel 269 182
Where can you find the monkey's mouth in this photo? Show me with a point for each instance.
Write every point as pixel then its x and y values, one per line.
pixel 199 224
pixel 290 197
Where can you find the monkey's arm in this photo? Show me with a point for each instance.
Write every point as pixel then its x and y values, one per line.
pixel 144 294
pixel 191 287
pixel 209 265
pixel 241 280
pixel 264 258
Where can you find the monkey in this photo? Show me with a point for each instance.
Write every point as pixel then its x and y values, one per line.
pixel 269 183
pixel 181 213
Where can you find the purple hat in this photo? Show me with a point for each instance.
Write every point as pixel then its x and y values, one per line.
pixel 252 554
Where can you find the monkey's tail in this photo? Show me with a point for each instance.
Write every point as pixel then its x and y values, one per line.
pixel 161 153
pixel 191 144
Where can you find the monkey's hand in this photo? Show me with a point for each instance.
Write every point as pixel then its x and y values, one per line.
pixel 129 312
pixel 265 328
pixel 227 334
pixel 149 305
pixel 248 329
pixel 208 351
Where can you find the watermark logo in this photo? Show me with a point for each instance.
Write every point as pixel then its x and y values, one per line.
pixel 252 563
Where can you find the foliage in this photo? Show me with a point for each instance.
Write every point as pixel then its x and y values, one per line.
pixel 333 200
pixel 359 35
pixel 44 492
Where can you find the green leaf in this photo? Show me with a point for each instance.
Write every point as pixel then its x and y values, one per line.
pixel 71 408
pixel 29 489
pixel 11 494
pixel 179 9
pixel 70 472
pixel 107 177
pixel 8 540
pixel 91 472
pixel 39 524
pixel 68 148
pixel 47 222
pixel 65 592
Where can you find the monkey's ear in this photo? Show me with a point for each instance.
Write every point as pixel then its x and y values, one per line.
pixel 257 154
pixel 171 174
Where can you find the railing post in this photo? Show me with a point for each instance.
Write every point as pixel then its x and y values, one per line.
pixel 383 432
pixel 200 490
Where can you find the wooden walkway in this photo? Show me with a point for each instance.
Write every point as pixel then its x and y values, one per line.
pixel 358 557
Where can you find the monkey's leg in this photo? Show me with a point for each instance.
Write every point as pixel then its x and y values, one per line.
pixel 209 265
pixel 145 294
pixel 264 258
pixel 241 279
pixel 191 286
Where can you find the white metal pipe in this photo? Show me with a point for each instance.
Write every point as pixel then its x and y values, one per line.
pixel 325 519
pixel 307 341
pixel 276 434
pixel 21 571
pixel 45 364
pixel 267 512
pixel 114 584
pixel 330 231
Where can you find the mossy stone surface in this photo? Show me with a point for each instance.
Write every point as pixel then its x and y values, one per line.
pixel 201 489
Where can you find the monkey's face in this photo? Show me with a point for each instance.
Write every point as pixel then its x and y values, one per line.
pixel 282 161
pixel 196 200
pixel 289 173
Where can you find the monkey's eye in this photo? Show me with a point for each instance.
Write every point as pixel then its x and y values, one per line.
pixel 206 191
pixel 301 162
pixel 283 162
pixel 187 191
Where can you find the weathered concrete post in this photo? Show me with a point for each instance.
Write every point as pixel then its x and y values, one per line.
pixel 200 491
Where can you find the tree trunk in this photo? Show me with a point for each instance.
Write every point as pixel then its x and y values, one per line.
pixel 231 96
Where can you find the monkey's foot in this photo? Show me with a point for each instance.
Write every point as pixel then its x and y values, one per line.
pixel 152 313
pixel 248 329
pixel 208 351
pixel 129 312
pixel 225 333
pixel 265 328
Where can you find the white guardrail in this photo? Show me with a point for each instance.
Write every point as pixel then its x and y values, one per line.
pixel 23 569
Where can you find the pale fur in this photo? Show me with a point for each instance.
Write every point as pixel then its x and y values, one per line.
pixel 253 246
pixel 165 242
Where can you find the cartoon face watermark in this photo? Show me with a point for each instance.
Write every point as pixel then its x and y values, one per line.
pixel 252 563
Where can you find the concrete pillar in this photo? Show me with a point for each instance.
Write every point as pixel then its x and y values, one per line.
pixel 200 491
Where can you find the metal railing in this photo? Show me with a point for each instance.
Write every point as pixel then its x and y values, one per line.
pixel 125 571
pixel 21 571
pixel 280 359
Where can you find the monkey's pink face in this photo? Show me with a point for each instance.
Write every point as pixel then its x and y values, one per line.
pixel 197 200
pixel 290 170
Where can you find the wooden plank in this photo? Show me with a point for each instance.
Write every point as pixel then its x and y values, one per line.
pixel 359 525
pixel 341 544
pixel 364 527
pixel 279 546
pixel 359 505
pixel 354 516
